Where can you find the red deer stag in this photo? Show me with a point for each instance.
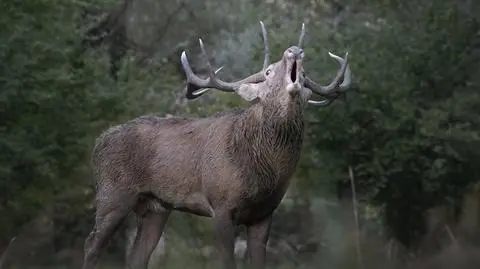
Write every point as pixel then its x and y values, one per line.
pixel 233 167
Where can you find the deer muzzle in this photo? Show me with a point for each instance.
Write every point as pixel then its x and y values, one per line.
pixel 293 56
pixel 293 75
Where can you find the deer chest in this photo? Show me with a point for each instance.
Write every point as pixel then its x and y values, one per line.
pixel 261 198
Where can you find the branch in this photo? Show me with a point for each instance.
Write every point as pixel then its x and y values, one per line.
pixel 450 234
pixel 4 256
pixel 355 214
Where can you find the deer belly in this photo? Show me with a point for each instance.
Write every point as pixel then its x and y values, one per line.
pixel 195 203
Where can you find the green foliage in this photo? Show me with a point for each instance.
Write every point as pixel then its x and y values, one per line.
pixel 405 133
pixel 52 108
pixel 411 132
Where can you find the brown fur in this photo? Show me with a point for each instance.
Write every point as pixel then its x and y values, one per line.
pixel 233 167
pixel 239 161
pixel 235 160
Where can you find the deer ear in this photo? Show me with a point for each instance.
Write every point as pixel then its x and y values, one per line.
pixel 249 91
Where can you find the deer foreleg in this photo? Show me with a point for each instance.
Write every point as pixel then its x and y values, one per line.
pixel 257 242
pixel 225 234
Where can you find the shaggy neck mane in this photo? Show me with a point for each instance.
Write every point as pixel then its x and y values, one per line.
pixel 268 136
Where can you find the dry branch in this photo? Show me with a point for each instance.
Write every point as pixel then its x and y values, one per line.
pixel 355 214
pixel 4 256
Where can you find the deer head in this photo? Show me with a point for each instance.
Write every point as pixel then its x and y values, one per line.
pixel 284 81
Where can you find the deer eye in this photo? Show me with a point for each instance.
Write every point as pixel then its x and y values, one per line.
pixel 268 72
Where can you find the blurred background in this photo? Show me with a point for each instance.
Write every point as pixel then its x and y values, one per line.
pixel 389 175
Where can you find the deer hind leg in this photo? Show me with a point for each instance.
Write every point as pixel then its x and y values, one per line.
pixel 150 226
pixel 112 208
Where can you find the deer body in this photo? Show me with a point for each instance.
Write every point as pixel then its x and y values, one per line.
pixel 208 166
pixel 233 167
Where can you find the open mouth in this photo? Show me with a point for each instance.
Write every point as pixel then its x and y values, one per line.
pixel 293 72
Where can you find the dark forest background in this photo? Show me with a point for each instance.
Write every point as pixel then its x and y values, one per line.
pixel 410 135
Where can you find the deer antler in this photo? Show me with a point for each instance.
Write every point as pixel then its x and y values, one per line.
pixel 302 35
pixel 197 86
pixel 266 61
pixel 340 84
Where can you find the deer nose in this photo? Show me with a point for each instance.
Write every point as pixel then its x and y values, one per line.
pixel 295 52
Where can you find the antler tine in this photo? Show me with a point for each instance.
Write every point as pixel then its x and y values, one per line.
pixel 302 35
pixel 342 80
pixel 347 77
pixel 322 103
pixel 266 61
pixel 211 71
pixel 191 77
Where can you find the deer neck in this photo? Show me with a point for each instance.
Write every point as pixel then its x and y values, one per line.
pixel 276 125
pixel 270 136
